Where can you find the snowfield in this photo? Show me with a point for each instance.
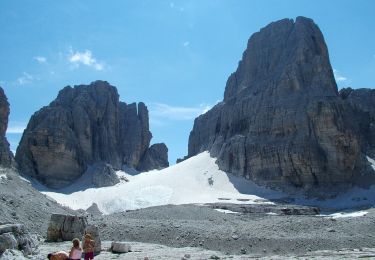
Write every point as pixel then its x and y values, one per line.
pixel 197 180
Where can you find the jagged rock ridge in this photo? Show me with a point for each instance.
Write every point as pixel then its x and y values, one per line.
pixel 82 126
pixel 6 156
pixel 281 121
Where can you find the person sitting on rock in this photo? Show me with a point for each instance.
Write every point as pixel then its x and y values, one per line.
pixel 88 247
pixel 76 251
pixel 61 255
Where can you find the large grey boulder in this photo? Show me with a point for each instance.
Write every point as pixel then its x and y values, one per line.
pixel 102 174
pixel 15 237
pixel 281 122
pixel 84 125
pixel 65 227
pixel 6 156
pixel 120 247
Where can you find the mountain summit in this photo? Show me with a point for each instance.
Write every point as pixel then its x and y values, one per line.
pixel 84 125
pixel 281 122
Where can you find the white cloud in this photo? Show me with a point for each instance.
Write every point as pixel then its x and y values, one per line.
pixel 186 44
pixel 171 5
pixel 164 111
pixel 338 76
pixel 26 78
pixel 85 58
pixel 16 127
pixel 40 59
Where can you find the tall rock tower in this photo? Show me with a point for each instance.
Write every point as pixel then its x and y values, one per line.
pixel 281 122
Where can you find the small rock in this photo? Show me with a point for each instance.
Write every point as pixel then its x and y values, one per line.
pixel 121 247
pixel 243 251
pixel 214 257
pixel 235 236
pixel 187 256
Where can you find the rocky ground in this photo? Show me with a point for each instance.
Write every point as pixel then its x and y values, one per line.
pixel 155 251
pixel 21 203
pixel 260 234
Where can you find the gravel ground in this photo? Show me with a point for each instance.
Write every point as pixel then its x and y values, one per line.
pixel 262 234
pixel 155 251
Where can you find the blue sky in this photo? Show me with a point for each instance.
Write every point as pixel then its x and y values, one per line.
pixel 173 55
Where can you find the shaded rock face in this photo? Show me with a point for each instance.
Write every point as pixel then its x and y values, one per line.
pixel 83 125
pixel 6 157
pixel 362 101
pixel 65 227
pixel 281 121
pixel 156 157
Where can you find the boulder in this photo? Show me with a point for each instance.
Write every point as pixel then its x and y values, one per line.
pixel 282 123
pixel 94 233
pixel 84 125
pixel 94 210
pixel 6 156
pixel 156 157
pixel 120 247
pixel 65 227
pixel 14 237
pixel 102 174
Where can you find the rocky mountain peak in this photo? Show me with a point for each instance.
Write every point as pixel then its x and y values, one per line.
pixel 85 124
pixel 282 122
pixel 283 57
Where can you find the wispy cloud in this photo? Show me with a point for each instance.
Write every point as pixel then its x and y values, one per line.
pixel 338 76
pixel 26 78
pixel 163 111
pixel 186 44
pixel 84 58
pixel 40 59
pixel 16 127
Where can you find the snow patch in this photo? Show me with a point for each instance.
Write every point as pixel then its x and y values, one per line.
pixel 197 180
pixel 226 211
pixel 372 161
pixel 3 177
pixel 24 179
pixel 347 214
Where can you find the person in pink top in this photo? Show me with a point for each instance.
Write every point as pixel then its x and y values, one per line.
pixel 76 251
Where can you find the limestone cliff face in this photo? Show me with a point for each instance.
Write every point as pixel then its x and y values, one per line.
pixel 84 125
pixel 281 121
pixel 6 157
